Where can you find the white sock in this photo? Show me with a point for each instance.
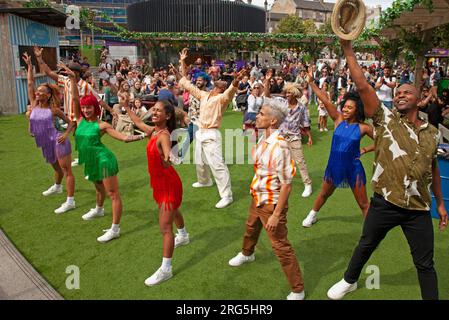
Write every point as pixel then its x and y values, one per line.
pixel 98 208
pixel 182 232
pixel 115 227
pixel 70 200
pixel 59 186
pixel 166 264
pixel 313 211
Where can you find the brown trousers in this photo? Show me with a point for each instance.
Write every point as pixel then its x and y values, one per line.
pixel 258 218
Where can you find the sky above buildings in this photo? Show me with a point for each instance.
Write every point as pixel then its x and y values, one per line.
pixel 370 3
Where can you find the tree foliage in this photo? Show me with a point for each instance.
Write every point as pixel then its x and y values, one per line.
pixel 37 4
pixel 293 24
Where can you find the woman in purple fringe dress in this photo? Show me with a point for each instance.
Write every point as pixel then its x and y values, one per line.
pixel 56 148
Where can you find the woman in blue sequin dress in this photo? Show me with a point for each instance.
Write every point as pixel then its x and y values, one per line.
pixel 344 168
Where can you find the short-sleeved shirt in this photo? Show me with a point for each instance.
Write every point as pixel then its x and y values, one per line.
pixel 385 93
pixel 402 171
pixel 273 167
pixel 84 89
pixel 296 119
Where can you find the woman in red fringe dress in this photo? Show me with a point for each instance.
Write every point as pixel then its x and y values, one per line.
pixel 166 184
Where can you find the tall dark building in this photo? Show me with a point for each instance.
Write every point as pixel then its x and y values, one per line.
pixel 195 16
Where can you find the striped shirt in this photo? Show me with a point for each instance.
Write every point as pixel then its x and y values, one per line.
pixel 84 89
pixel 273 167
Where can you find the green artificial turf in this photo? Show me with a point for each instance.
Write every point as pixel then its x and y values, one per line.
pixel 117 270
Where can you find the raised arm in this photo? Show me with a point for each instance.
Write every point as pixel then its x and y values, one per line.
pixel 107 128
pixel 73 90
pixel 30 79
pixel 266 85
pixel 124 102
pixel 182 61
pixel 42 65
pixel 367 93
pixel 229 93
pixel 331 109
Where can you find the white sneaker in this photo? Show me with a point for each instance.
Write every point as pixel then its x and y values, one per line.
pixel 93 213
pixel 224 202
pixel 159 276
pixel 321 130
pixel 240 259
pixel 181 240
pixel 307 191
pixel 75 162
pixel 340 289
pixel 52 190
pixel 200 185
pixel 309 220
pixel 296 296
pixel 109 235
pixel 65 207
pixel 325 129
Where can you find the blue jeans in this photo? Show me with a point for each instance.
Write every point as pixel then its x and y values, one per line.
pixel 189 139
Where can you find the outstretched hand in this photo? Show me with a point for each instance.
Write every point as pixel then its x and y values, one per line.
pixel 239 75
pixel 69 72
pixel 38 51
pixel 269 75
pixel 183 54
pixel 27 58
pixel 309 75
pixel 123 99
pixel 175 71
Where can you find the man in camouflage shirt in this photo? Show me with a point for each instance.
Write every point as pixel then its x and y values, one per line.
pixel 405 168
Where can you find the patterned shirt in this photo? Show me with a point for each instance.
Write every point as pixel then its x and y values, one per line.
pixel 273 167
pixel 84 89
pixel 403 159
pixel 296 119
pixel 194 109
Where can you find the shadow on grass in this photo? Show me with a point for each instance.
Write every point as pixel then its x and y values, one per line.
pixel 332 258
pixel 209 247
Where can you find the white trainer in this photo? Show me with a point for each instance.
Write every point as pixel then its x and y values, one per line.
pixel 75 162
pixel 159 276
pixel 200 185
pixel 240 259
pixel 224 202
pixel 93 213
pixel 65 207
pixel 109 235
pixel 309 220
pixel 325 129
pixel 52 190
pixel 307 191
pixel 296 296
pixel 340 289
pixel 181 240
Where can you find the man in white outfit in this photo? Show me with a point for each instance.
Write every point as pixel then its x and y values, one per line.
pixel 208 150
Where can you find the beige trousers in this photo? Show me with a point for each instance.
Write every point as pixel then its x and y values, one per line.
pixel 298 156
pixel 208 157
